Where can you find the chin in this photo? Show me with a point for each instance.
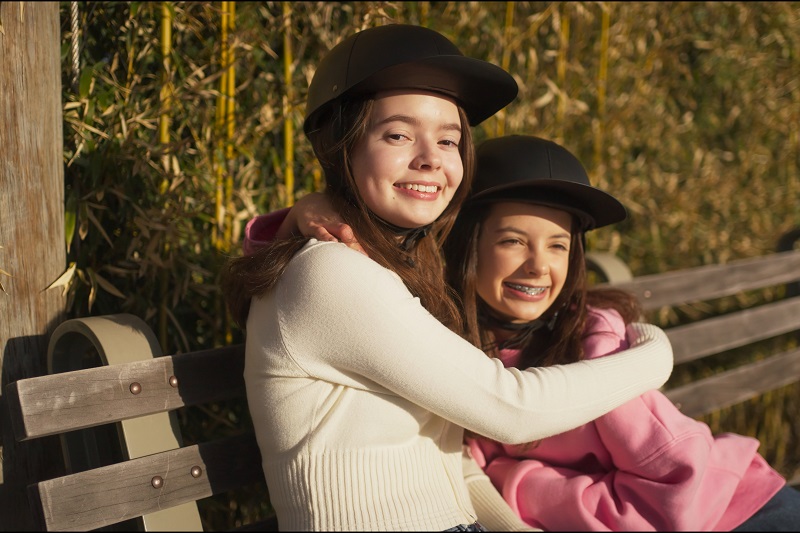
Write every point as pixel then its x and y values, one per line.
pixel 412 222
pixel 526 317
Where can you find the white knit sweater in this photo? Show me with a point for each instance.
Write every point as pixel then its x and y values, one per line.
pixel 358 397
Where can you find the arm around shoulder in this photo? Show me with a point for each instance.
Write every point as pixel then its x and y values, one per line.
pixel 659 352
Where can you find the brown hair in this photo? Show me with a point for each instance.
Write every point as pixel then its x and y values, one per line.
pixel 420 267
pixel 561 345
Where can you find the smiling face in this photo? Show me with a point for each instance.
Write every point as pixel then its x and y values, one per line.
pixel 407 165
pixel 523 259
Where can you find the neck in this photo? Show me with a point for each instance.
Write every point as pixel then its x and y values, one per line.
pixel 407 238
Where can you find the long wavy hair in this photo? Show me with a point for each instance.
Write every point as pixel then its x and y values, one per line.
pixel 545 347
pixel 419 266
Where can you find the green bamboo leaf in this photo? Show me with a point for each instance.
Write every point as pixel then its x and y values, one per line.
pixel 70 220
pixel 92 290
pixel 107 286
pixel 64 279
pixel 85 82
pixel 99 226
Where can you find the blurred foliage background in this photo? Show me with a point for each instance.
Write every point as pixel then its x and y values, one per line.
pixel 182 120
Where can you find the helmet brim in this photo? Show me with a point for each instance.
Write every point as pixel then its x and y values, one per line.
pixel 525 168
pixel 593 207
pixel 401 56
pixel 480 88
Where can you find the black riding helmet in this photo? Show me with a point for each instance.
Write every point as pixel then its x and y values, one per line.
pixel 401 56
pixel 523 168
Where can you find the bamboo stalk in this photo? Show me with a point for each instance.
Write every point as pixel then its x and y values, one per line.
pixel 561 72
pixel 506 60
pixel 288 97
pixel 219 144
pixel 316 174
pixel 602 84
pixel 163 137
pixel 424 10
pixel 230 97
pixel 792 182
pixel 166 88
pixel 219 237
pixel 229 158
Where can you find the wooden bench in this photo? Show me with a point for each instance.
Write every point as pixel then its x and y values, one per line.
pixel 125 462
pixel 745 310
pixel 113 398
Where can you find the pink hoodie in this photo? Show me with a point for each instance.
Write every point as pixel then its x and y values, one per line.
pixel 642 467
pixel 261 229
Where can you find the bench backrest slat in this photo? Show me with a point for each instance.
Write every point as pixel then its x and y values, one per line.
pixel 106 495
pixel 714 335
pixel 738 385
pixel 714 281
pixel 703 336
pixel 68 401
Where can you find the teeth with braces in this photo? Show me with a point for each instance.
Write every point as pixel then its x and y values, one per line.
pixel 417 187
pixel 532 291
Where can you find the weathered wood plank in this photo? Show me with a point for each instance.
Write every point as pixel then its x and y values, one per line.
pixel 53 404
pixel 32 249
pixel 112 494
pixel 734 386
pixel 714 281
pixel 717 334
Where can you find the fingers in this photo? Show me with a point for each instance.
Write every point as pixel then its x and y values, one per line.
pixel 338 232
pixel 332 231
pixel 322 234
pixel 357 247
pixel 347 236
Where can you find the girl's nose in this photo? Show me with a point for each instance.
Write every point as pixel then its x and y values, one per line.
pixel 536 268
pixel 428 157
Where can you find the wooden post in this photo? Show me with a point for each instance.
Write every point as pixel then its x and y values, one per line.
pixel 32 245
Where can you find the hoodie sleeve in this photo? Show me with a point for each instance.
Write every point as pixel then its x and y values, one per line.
pixel 667 472
pixel 262 229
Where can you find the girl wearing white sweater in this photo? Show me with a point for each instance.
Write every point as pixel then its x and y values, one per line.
pixel 358 382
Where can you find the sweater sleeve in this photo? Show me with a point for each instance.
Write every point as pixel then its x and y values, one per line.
pixel 366 324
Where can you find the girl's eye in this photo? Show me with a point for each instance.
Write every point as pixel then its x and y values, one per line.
pixel 560 246
pixel 511 241
pixel 396 136
pixel 449 142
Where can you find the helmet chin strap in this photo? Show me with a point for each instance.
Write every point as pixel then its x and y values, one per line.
pixel 409 236
pixel 523 331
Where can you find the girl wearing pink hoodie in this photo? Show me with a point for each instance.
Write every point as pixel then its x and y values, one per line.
pixel 516 256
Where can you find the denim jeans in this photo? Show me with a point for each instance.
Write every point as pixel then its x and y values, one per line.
pixel 781 513
pixel 472 527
